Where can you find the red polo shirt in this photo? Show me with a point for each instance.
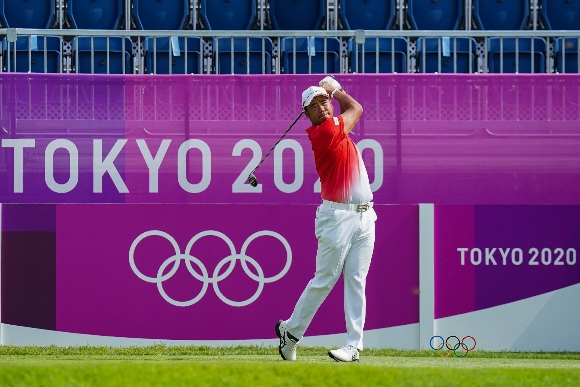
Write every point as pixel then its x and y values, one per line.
pixel 343 176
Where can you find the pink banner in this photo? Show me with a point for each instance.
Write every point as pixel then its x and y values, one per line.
pixel 190 272
pixel 446 139
pixel 486 256
pixel 147 220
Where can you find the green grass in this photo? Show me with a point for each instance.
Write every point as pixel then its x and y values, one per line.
pixel 161 365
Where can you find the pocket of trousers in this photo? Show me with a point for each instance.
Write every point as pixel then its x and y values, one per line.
pixel 324 216
pixel 330 227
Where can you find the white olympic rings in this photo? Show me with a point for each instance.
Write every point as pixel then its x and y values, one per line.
pixel 204 276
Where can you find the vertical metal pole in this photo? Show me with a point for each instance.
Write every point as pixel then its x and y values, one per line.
pixel 248 55
pixel 517 54
pixel 392 54
pixel 45 54
pixel 325 55
pixel 29 53
pixel 455 54
pixel 92 54
pixel 232 55
pixel 377 53
pixel 262 4
pixel 185 38
pixel 169 55
pixel 327 13
pixel 76 52
pixel 107 44
pixel 423 53
pixel 501 55
pixel 439 49
pixel 468 9
pixel 470 56
pixel 401 13
pixel 294 55
pixel 534 5
pixel 155 55
pixel 194 13
pixel 335 15
pixel 313 42
pixel 532 54
pixel 217 56
pixel 127 14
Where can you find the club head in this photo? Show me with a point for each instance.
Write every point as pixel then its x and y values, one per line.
pixel 252 179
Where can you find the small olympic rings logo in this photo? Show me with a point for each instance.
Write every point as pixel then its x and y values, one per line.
pixel 204 277
pixel 452 345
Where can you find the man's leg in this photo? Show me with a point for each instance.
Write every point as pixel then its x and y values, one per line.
pixel 334 230
pixel 356 268
pixel 328 269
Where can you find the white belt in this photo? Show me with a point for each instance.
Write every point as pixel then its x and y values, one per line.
pixel 349 207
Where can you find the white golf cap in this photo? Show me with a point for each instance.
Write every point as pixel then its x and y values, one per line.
pixel 310 93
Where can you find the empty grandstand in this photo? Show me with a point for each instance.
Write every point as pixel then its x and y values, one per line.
pixel 289 37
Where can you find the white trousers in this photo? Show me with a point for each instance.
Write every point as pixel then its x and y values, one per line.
pixel 346 240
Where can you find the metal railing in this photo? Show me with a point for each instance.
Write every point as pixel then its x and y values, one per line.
pixel 139 52
pixel 268 51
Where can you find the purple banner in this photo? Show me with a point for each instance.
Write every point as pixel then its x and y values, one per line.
pixel 190 272
pixel 426 138
pixel 487 256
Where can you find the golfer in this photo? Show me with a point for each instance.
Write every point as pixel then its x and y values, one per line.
pixel 345 221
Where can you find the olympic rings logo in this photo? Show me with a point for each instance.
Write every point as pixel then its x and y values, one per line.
pixel 453 345
pixel 204 276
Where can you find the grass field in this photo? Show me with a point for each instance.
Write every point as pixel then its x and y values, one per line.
pixel 261 366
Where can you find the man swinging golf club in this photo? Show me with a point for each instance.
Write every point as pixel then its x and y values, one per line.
pixel 345 221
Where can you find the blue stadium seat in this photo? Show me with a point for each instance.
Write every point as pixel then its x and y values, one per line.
pixel 185 55
pixel 501 14
pixel 561 14
pixel 436 15
pixel 567 55
pixel 457 55
pixel 519 50
pixel 247 54
pixel 227 14
pixel 35 47
pixel 91 55
pixel 388 56
pixel 3 22
pixel 310 55
pixel 367 15
pixel 160 15
pixel 31 14
pixel 95 15
pixel 99 15
pixel 297 14
pixel 27 13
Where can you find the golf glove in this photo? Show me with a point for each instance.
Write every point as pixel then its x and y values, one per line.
pixel 331 81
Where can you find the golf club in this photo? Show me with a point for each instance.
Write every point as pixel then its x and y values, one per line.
pixel 251 177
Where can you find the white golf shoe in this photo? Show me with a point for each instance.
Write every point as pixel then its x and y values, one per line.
pixel 347 353
pixel 287 347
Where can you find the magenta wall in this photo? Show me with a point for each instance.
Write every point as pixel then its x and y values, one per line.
pixel 486 256
pixel 455 139
pixel 89 165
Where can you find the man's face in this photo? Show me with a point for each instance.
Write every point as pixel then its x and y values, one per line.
pixel 319 110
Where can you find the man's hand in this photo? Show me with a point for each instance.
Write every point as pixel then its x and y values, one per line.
pixel 330 81
pixel 350 110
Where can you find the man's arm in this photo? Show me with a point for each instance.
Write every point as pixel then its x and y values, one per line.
pixel 350 109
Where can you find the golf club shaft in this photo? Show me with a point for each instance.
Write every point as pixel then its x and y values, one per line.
pixel 277 142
